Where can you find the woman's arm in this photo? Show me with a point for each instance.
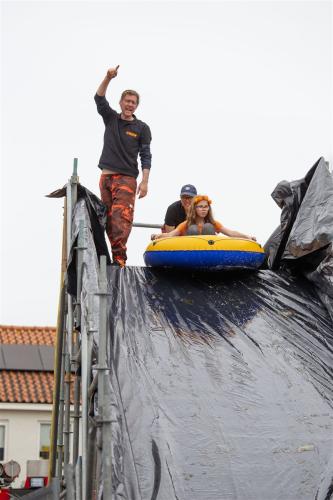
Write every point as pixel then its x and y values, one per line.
pixel 175 232
pixel 179 231
pixel 236 234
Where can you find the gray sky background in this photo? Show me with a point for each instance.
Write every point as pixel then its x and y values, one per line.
pixel 237 95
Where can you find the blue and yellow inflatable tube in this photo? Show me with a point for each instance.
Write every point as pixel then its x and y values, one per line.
pixel 198 252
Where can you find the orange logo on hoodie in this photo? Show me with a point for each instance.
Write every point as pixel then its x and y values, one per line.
pixel 132 134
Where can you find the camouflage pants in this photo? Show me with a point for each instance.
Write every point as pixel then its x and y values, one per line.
pixel 118 194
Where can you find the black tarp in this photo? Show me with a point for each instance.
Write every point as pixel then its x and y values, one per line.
pixel 221 383
pixel 94 218
pixel 303 241
pixel 222 386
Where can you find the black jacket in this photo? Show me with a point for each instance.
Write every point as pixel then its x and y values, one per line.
pixel 123 141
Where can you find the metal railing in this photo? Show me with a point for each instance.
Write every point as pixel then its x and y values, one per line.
pixel 144 224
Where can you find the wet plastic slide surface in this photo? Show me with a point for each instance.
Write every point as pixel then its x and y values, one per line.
pixel 222 386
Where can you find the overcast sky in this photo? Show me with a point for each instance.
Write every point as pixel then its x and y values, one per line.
pixel 237 95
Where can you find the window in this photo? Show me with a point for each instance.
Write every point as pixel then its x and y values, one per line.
pixel 2 441
pixel 44 441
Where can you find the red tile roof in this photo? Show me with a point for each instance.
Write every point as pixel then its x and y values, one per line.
pixel 21 386
pixel 41 335
pixel 25 387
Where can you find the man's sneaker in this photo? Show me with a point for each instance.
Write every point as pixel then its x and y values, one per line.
pixel 118 261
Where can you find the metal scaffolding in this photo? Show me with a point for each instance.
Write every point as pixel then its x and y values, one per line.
pixel 73 451
pixel 80 452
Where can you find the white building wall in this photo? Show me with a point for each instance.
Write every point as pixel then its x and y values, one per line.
pixel 22 437
pixel 22 423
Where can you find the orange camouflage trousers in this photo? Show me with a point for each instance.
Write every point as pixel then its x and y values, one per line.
pixel 118 194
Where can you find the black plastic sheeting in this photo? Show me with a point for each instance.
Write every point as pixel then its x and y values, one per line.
pixel 222 382
pixel 222 386
pixel 95 218
pixel 303 241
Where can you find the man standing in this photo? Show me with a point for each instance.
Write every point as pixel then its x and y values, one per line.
pixel 125 138
pixel 177 211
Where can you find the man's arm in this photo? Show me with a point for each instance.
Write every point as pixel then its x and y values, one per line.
pixel 111 73
pixel 143 186
pixel 169 219
pixel 173 217
pixel 145 157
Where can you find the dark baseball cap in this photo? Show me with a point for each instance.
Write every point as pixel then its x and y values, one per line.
pixel 188 190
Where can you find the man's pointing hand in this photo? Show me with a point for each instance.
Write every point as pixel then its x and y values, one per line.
pixel 112 72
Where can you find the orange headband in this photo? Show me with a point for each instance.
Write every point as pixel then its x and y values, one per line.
pixel 201 197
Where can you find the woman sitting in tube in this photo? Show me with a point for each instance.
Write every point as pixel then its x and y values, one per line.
pixel 199 221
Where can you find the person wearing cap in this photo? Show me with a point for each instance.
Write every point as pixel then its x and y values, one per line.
pixel 200 220
pixel 177 211
pixel 125 138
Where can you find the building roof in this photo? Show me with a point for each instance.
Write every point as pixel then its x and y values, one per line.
pixel 26 387
pixel 24 384
pixel 41 335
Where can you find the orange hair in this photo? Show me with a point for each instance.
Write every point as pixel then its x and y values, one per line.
pixel 201 197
